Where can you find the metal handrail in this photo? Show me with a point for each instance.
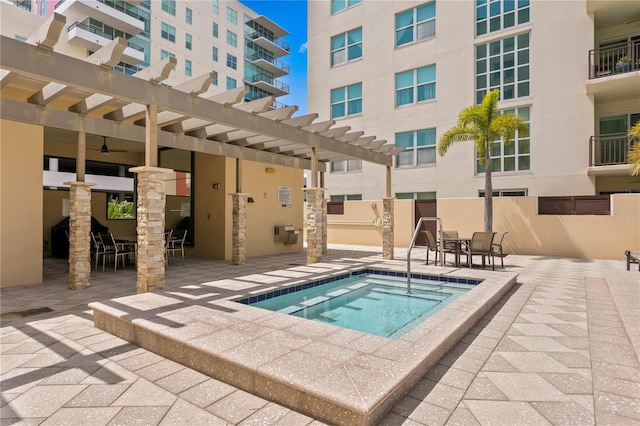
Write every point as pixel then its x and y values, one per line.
pixel 413 241
pixel 616 59
pixel 610 149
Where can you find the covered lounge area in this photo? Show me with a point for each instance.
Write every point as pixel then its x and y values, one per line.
pixel 48 95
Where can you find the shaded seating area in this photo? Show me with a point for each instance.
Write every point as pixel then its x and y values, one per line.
pixel 176 245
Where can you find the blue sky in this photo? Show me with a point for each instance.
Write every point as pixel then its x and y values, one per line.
pixel 292 16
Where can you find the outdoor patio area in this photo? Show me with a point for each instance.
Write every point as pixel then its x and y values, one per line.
pixel 561 347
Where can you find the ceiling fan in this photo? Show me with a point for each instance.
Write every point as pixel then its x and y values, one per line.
pixel 104 150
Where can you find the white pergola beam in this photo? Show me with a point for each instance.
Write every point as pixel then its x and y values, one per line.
pixel 110 54
pixel 337 132
pixel 48 34
pixel 256 106
pixel 320 127
pixel 280 113
pixel 363 141
pixel 302 121
pixel 230 97
pixel 7 77
pixel 350 137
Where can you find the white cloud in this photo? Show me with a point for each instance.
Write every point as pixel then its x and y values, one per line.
pixel 303 48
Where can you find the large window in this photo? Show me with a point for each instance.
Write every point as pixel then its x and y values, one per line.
pixel 187 41
pixel 216 6
pixel 495 15
pixel 232 38
pixel 346 46
pixel 188 17
pixel 164 54
pixel 419 148
pixel 169 6
pixel 232 61
pixel 214 53
pixel 503 64
pixel 187 67
pixel 348 197
pixel 416 85
pixel 416 24
pixel 416 195
pixel 346 101
pixel 346 166
pixel 168 32
pixel 232 15
pixel 338 5
pixel 231 83
pixel 513 157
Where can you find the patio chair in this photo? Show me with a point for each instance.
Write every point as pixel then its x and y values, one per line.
pixel 106 249
pixel 177 245
pixel 497 247
pixel 167 240
pixel 481 245
pixel 431 246
pixel 122 251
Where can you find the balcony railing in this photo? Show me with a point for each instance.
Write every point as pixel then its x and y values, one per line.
pixel 270 81
pixel 98 31
pixel 616 59
pixel 117 6
pixel 281 44
pixel 277 63
pixel 610 150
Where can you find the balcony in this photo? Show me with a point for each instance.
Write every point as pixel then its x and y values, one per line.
pixel 93 38
pixel 274 104
pixel 269 84
pixel 614 72
pixel 277 47
pixel 79 10
pixel 609 154
pixel 268 63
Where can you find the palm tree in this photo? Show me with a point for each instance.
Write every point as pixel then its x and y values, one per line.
pixel 483 124
pixel 634 152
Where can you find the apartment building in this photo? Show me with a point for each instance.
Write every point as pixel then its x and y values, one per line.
pixel 404 70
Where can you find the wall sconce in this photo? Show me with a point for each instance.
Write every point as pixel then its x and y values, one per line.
pixel 270 170
pixel 216 186
pixel 374 205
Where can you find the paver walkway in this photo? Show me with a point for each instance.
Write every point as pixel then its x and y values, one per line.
pixel 561 348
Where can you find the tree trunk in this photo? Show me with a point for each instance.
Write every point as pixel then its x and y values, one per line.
pixel 488 189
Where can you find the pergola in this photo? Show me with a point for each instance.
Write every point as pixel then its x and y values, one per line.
pixel 91 98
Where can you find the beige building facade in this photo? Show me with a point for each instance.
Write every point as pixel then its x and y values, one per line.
pixel 404 70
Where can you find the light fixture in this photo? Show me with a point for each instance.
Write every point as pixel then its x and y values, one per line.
pixel 270 170
pixel 105 149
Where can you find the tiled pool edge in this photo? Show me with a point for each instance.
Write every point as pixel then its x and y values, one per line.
pixel 428 343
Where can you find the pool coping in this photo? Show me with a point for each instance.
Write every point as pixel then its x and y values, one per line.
pixel 336 375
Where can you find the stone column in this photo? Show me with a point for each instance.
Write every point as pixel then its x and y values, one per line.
pixel 79 238
pixel 387 228
pixel 313 223
pixel 324 225
pixel 150 227
pixel 239 230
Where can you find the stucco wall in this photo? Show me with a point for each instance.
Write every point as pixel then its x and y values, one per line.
pixel 21 147
pixel 588 236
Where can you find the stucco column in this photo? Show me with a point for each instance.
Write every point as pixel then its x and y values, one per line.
pixel 150 227
pixel 79 238
pixel 239 229
pixel 387 228
pixel 313 224
pixel 324 225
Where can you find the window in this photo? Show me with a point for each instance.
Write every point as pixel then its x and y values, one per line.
pixel 346 166
pixel 214 53
pixel 346 46
pixel 216 6
pixel 507 193
pixel 215 29
pixel 416 85
pixel 215 80
pixel 338 5
pixel 503 64
pixel 232 38
pixel 232 15
pixel 231 83
pixel 513 157
pixel 43 7
pixel 416 24
pixel 168 32
pixel 169 6
pixel 348 197
pixel 187 41
pixel 232 61
pixel 164 54
pixel 419 147
pixel 187 67
pixel 188 17
pixel 20 38
pixel 416 195
pixel 346 101
pixel 495 15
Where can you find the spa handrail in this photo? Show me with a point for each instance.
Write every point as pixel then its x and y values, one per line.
pixel 413 241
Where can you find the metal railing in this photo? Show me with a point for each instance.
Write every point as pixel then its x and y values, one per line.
pixel 616 59
pixel 116 6
pixel 270 81
pixel 99 31
pixel 416 231
pixel 281 44
pixel 608 150
pixel 277 63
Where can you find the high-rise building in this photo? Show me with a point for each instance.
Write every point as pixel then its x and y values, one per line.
pixel 241 46
pixel 404 70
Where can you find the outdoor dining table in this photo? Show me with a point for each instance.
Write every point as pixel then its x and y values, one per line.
pixel 457 241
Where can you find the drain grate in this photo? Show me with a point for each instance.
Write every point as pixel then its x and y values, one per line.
pixel 30 312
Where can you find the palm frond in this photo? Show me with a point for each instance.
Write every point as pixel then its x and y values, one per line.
pixel 506 125
pixel 489 105
pixel 634 158
pixel 455 134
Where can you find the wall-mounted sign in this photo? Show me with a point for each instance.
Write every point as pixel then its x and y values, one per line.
pixel 284 196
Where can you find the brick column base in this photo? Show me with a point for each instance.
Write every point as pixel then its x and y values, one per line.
pixel 387 228
pixel 79 238
pixel 324 225
pixel 150 227
pixel 314 223
pixel 239 230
